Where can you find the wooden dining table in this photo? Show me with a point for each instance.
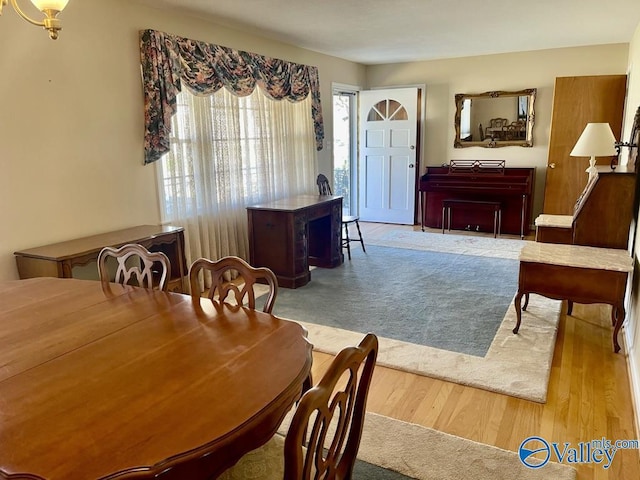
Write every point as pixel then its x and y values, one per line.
pixel 104 381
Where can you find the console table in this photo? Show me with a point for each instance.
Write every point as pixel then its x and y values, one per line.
pixel 289 234
pixel 58 259
pixel 577 274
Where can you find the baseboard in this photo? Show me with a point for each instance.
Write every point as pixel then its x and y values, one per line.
pixel 634 381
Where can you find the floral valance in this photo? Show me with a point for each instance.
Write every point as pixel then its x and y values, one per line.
pixel 168 60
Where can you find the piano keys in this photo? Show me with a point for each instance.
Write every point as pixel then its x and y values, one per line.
pixel 478 180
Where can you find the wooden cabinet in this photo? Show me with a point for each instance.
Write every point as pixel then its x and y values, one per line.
pixel 604 211
pixel 602 215
pixel 576 102
pixel 58 259
pixel 290 234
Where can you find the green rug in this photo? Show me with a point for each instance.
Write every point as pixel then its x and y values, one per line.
pixel 442 300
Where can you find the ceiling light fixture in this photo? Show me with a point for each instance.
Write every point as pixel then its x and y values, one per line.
pixel 51 9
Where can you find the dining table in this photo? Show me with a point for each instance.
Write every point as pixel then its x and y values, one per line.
pixel 107 381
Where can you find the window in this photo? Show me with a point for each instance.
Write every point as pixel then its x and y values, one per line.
pixel 228 152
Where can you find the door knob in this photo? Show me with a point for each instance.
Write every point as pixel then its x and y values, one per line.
pixel 412 147
pixel 411 165
pixel 552 165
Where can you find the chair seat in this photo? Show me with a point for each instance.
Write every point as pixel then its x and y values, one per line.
pixel 349 218
pixel 263 463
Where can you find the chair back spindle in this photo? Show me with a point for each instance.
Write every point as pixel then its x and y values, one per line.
pixel 136 266
pixel 241 290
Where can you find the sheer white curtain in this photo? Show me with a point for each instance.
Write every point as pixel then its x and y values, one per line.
pixel 229 152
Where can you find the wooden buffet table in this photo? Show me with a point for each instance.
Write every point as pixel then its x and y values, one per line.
pixel 58 259
pixel 577 274
pixel 122 382
pixel 289 234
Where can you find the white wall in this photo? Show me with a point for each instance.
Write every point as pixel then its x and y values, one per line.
pixel 71 119
pixel 632 327
pixel 513 71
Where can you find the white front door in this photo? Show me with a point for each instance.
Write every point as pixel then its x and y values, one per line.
pixel 387 166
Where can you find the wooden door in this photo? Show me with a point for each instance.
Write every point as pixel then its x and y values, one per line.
pixel 576 102
pixel 387 167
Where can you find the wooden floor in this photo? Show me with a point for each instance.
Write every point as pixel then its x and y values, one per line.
pixel 589 396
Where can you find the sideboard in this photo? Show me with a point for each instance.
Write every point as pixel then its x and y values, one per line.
pixel 58 259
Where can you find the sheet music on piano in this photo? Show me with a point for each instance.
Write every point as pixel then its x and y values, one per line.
pixel 477 166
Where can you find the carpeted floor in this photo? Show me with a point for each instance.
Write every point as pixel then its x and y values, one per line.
pixel 516 365
pixel 442 300
pixel 459 242
pixel 389 447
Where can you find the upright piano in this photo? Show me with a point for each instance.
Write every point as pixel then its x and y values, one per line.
pixel 478 180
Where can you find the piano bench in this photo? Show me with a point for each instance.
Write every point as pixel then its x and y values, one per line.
pixel 495 207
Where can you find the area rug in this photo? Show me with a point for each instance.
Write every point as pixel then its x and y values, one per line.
pixel 417 452
pixel 516 365
pixel 443 300
pixel 464 244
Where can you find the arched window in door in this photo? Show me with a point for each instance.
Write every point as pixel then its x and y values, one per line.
pixel 387 109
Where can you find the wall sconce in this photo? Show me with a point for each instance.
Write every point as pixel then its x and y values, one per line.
pixel 51 8
pixel 597 140
pixel 629 145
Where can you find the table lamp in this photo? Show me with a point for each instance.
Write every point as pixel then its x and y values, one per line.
pixel 597 140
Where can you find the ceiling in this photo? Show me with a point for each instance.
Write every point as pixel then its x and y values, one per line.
pixel 390 31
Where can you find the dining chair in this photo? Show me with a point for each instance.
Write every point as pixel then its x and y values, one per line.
pixel 497 128
pixel 324 435
pixel 136 266
pixel 324 188
pixel 242 287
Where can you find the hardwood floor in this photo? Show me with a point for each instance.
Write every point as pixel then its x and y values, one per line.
pixel 589 396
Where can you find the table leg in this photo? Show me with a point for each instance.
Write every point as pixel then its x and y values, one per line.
pixel 495 223
pixel 526 301
pixel 423 204
pixel 617 314
pixel 570 307
pixel 517 304
pixel 524 206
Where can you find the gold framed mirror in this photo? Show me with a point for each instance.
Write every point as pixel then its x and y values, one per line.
pixel 495 119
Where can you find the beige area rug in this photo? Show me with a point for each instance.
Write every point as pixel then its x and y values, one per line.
pixel 464 244
pixel 516 365
pixel 427 454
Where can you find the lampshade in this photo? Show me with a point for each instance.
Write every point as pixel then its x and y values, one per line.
pixel 597 140
pixel 43 5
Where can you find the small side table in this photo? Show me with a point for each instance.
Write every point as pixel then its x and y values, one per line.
pixel 575 273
